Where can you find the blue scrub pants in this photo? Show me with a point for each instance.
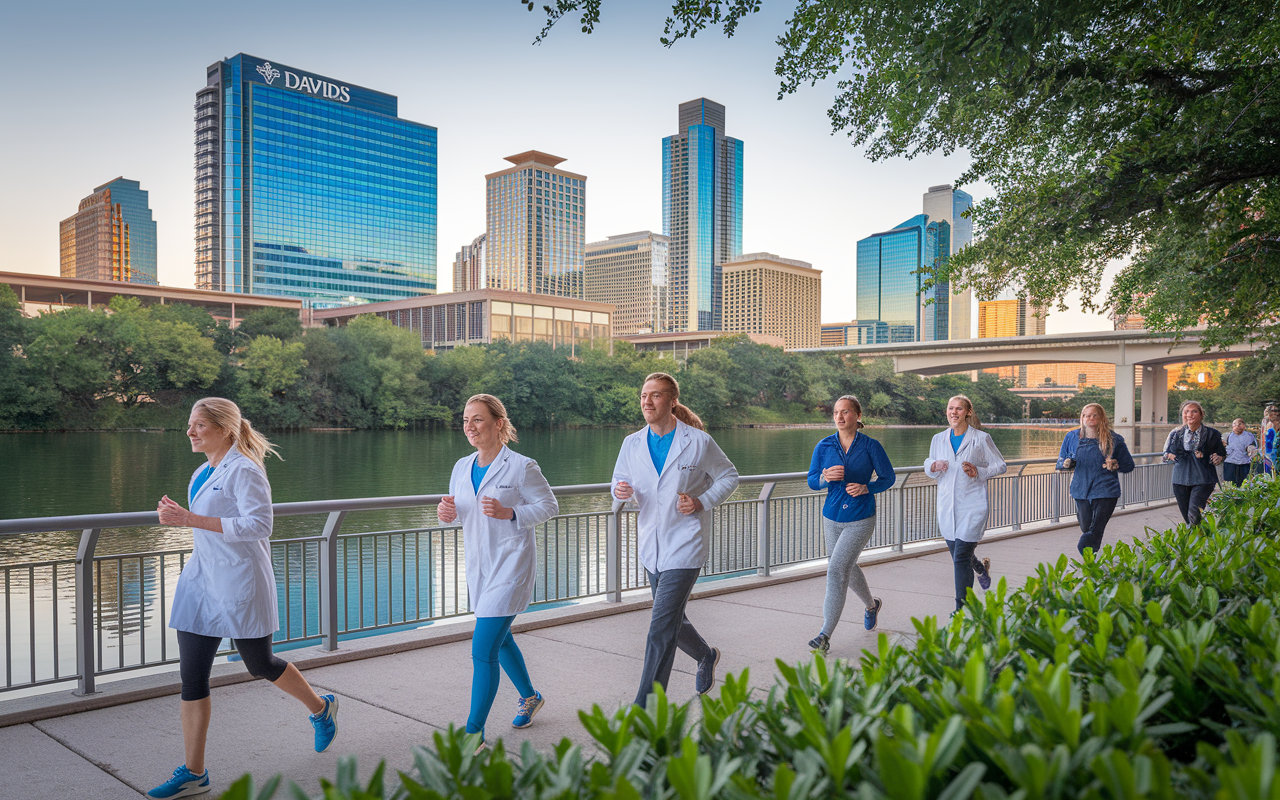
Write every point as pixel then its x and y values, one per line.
pixel 492 646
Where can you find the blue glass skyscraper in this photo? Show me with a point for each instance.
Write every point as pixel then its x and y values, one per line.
pixel 890 277
pixel 310 187
pixel 701 212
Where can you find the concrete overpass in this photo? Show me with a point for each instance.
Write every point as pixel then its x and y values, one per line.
pixel 1123 349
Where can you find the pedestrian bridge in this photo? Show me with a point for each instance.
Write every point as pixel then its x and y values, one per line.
pixel 1124 349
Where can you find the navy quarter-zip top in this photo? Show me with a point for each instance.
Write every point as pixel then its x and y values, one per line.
pixel 865 457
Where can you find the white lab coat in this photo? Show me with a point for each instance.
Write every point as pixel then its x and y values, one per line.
pixel 962 501
pixel 501 554
pixel 696 466
pixel 228 587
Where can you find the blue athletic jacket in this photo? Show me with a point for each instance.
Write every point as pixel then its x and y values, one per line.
pixel 1090 481
pixel 864 456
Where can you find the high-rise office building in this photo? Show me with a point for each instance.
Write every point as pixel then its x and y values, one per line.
pixel 1010 317
pixel 889 282
pixel 111 237
pixel 944 204
pixel 630 272
pixel 701 212
pixel 311 187
pixel 469 271
pixel 768 294
pixel 536 216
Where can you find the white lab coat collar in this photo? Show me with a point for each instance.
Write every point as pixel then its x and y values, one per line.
pixel 227 460
pixel 679 442
pixel 496 468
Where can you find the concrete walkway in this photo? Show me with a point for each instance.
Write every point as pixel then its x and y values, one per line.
pixel 391 700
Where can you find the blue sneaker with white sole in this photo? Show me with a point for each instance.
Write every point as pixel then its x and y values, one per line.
pixel 184 783
pixel 525 709
pixel 326 723
pixel 871 617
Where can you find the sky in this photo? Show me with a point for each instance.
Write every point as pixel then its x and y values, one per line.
pixel 97 91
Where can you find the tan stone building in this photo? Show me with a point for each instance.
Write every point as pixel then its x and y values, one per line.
pixel 629 271
pixel 767 294
pixel 535 216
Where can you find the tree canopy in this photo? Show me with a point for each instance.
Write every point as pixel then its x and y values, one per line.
pixel 1109 129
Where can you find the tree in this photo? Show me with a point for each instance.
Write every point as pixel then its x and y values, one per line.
pixel 268 383
pixel 280 323
pixel 1107 129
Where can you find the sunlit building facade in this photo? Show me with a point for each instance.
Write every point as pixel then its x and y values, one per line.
pixel 1012 317
pixel 854 332
pixel 629 271
pixel 310 187
pixel 701 212
pixel 890 291
pixel 469 265
pixel 768 294
pixel 111 237
pixel 483 316
pixel 536 226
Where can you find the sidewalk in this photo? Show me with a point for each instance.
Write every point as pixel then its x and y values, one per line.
pixel 388 703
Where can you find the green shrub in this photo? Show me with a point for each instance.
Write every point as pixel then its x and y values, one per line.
pixel 1150 671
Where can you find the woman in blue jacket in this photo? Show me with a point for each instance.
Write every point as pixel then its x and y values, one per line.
pixel 843 464
pixel 1097 456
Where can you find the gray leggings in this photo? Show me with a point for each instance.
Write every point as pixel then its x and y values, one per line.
pixel 845 541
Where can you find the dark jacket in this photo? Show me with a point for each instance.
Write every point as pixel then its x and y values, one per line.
pixel 865 455
pixel 1089 481
pixel 1189 470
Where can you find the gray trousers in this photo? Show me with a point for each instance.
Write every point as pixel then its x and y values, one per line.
pixel 669 628
pixel 845 541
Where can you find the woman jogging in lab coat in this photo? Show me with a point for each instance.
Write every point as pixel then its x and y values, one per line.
pixel 962 459
pixel 500 496
pixel 843 464
pixel 227 589
pixel 675 473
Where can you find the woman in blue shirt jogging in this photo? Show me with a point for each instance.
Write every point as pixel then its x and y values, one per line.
pixel 843 464
pixel 1098 456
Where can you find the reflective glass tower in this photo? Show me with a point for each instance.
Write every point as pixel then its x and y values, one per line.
pixel 944 204
pixel 111 237
pixel 889 282
pixel 701 212
pixel 310 187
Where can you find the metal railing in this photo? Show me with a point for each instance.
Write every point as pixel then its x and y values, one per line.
pixel 111 611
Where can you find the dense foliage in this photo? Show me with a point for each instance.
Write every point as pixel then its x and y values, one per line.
pixel 1108 130
pixel 140 366
pixel 1150 671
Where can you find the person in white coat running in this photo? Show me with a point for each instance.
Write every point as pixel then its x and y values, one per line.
pixel 227 589
pixel 962 459
pixel 500 496
pixel 675 473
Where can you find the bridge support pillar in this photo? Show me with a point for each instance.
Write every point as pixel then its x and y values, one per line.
pixel 1155 394
pixel 1125 384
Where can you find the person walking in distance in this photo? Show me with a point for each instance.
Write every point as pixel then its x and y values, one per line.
pixel 962 459
pixel 1096 455
pixel 227 589
pixel 675 473
pixel 500 496
pixel 1196 450
pixel 1242 445
pixel 1270 432
pixel 843 464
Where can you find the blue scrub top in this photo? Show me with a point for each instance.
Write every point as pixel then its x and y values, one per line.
pixel 200 480
pixel 955 442
pixel 659 446
pixel 477 474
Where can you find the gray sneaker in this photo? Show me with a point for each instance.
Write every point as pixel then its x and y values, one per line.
pixel 820 643
pixel 706 680
pixel 983 568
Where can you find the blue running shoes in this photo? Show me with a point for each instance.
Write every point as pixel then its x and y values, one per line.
pixel 325 723
pixel 984 573
pixel 525 709
pixel 820 643
pixel 706 679
pixel 183 784
pixel 871 616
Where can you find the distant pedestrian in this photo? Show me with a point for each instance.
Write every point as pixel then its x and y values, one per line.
pixel 1242 446
pixel 962 460
pixel 1270 433
pixel 1096 455
pixel 1196 450
pixel 843 464
pixel 227 589
pixel 675 473
pixel 500 496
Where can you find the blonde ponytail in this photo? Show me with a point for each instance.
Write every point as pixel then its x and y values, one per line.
pixel 226 415
pixel 678 409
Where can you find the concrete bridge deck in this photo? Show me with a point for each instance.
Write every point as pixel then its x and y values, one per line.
pixel 396 690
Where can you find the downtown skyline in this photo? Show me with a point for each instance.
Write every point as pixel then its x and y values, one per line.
pixel 603 101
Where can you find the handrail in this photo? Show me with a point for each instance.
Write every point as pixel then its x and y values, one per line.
pixel 131 519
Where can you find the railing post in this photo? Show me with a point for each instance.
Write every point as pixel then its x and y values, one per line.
pixel 329 580
pixel 900 515
pixel 86 623
pixel 1057 496
pixel 1016 500
pixel 763 540
pixel 613 553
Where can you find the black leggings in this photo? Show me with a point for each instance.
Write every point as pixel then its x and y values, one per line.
pixel 196 654
pixel 1093 516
